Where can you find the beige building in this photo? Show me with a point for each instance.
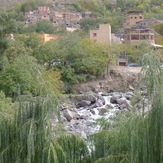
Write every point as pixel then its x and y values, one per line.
pixel 47 37
pixel 102 35
pixel 132 18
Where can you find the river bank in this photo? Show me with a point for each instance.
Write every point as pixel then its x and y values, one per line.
pixel 101 100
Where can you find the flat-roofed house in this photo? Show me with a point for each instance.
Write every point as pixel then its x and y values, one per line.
pixel 131 18
pixel 101 35
pixel 47 37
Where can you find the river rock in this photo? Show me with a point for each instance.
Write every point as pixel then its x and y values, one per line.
pixel 69 115
pixel 83 135
pixel 105 94
pixel 131 87
pixel 109 106
pixel 121 100
pixel 92 111
pixel 83 103
pixel 113 100
pixel 124 102
pixel 88 97
pixel 102 111
pixel 98 103
pixel 73 122
pixel 102 99
pixel 122 107
pixel 128 97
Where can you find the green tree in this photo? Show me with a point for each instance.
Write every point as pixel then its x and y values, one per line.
pixel 29 137
pixel 78 60
pixel 48 53
pixel 159 28
pixel 25 76
pixel 31 40
pixel 28 6
pixel 42 26
pixel 7 107
pixel 7 26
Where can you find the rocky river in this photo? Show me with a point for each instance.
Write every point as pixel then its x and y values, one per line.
pixel 83 111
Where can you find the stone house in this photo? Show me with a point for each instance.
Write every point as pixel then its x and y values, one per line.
pixel 132 18
pixel 101 35
pixel 72 19
pixel 31 17
pixel 68 19
pixel 68 16
pixel 136 29
pixel 72 24
pixel 57 18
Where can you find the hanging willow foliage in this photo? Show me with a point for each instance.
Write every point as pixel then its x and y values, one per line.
pixel 28 138
pixel 148 140
pixel 135 137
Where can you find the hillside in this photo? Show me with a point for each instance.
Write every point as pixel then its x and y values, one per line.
pixel 10 3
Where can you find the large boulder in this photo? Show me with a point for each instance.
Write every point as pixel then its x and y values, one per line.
pixel 83 103
pixel 115 97
pixel 102 99
pixel 109 106
pixel 87 97
pixel 113 100
pixel 99 103
pixel 69 115
pixel 124 103
pixel 121 100
pixel 102 111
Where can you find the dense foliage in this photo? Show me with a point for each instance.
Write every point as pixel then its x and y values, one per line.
pixel 134 136
pixel 78 60
pixel 32 77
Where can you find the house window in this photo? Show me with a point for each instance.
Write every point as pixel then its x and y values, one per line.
pixel 140 17
pixel 135 17
pixel 131 17
pixel 94 34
